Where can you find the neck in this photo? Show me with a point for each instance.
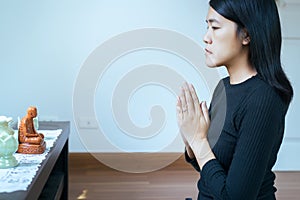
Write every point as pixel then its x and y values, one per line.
pixel 239 68
pixel 239 76
pixel 240 71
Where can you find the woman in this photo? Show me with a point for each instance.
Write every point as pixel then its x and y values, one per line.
pixel 245 37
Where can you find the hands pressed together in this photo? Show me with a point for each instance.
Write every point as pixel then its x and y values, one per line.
pixel 193 121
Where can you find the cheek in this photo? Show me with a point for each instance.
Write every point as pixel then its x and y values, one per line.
pixel 227 47
pixel 221 50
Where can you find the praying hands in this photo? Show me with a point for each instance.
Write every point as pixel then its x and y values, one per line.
pixel 193 121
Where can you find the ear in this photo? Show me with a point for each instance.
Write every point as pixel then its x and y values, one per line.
pixel 245 37
pixel 246 40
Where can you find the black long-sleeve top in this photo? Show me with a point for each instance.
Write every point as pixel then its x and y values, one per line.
pixel 246 144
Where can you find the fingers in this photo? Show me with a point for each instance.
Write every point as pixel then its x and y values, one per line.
pixel 194 99
pixel 178 102
pixel 204 111
pixel 190 101
pixel 188 97
pixel 192 116
pixel 179 110
pixel 184 106
pixel 187 102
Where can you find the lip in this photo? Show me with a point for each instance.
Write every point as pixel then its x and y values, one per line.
pixel 208 51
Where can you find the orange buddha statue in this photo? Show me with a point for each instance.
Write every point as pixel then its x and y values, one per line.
pixel 30 141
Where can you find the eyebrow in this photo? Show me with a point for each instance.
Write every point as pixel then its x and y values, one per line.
pixel 212 20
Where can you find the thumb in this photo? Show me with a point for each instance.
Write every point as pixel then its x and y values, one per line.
pixel 205 111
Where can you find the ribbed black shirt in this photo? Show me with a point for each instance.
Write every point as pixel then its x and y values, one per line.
pixel 246 144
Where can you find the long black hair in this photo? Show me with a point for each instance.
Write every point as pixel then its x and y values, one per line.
pixel 261 20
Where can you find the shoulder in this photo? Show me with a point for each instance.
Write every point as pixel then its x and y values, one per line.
pixel 261 101
pixel 262 112
pixel 262 93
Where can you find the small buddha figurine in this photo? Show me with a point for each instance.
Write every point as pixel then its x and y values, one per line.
pixel 30 141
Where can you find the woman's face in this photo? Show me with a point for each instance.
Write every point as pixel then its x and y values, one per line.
pixel 223 45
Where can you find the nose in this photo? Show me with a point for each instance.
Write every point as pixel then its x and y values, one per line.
pixel 207 38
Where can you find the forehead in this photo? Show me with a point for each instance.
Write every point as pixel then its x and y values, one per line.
pixel 214 17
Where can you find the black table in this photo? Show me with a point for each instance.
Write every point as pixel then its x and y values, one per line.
pixel 51 180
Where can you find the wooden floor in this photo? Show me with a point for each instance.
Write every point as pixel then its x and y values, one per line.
pixel 89 179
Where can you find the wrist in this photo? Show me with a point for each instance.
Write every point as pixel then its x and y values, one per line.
pixel 189 152
pixel 202 151
pixel 198 142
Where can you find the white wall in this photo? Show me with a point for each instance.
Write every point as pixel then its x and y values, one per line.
pixel 45 44
pixel 288 158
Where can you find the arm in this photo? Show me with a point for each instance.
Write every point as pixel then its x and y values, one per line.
pixel 258 126
pixel 218 95
pixel 190 158
pixel 193 120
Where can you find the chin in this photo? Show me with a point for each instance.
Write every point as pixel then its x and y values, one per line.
pixel 210 64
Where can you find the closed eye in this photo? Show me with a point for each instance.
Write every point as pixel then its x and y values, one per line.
pixel 213 23
pixel 213 27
